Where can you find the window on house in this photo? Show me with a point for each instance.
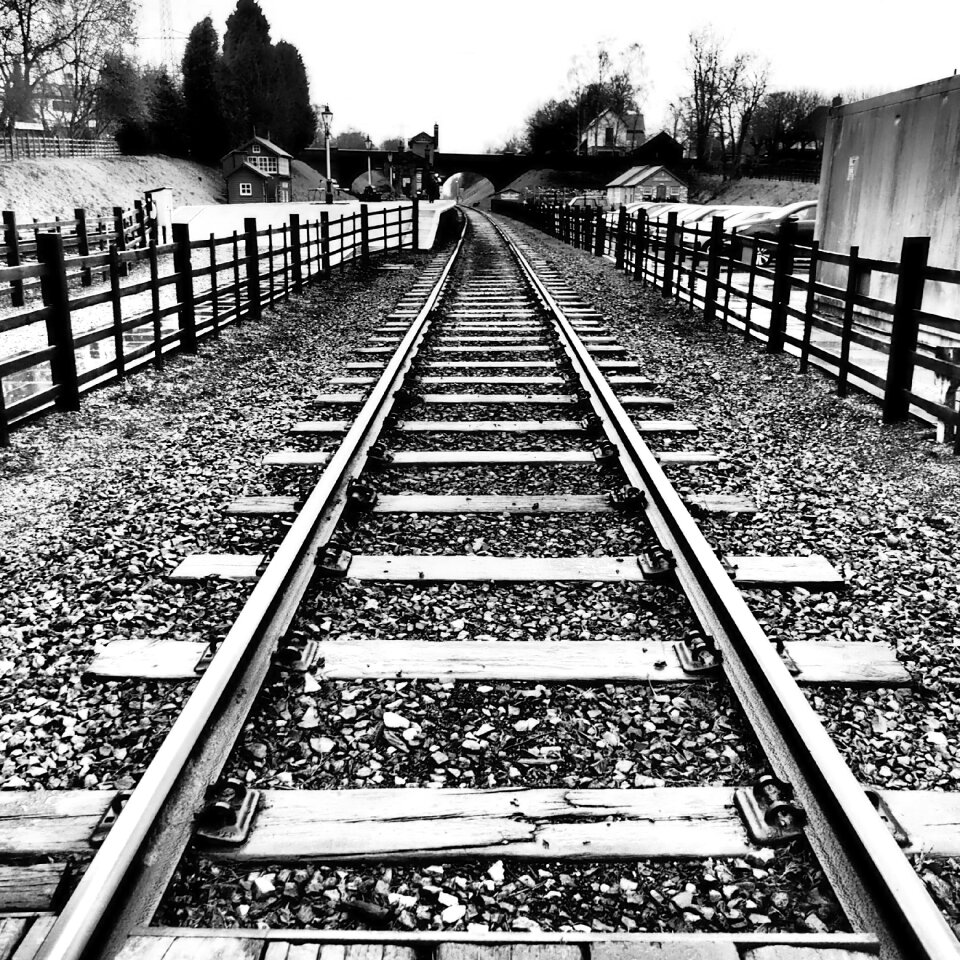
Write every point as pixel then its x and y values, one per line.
pixel 608 137
pixel 674 192
pixel 266 164
pixel 255 148
pixel 246 189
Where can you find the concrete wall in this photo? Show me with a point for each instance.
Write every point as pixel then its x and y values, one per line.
pixel 891 169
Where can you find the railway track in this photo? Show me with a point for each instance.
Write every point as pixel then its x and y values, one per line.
pixel 491 368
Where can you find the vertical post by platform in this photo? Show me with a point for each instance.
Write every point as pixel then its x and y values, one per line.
pixel 853 285
pixel 365 234
pixel 53 287
pixel 713 270
pixel 903 336
pixel 4 425
pixel 809 306
pixel 669 253
pixel 325 243
pixel 296 259
pixel 83 243
pixel 416 224
pixel 621 241
pixel 781 286
pixel 183 268
pixel 251 251
pixel 116 311
pixel 11 237
pixel 121 238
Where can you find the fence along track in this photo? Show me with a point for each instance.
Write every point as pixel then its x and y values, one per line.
pixel 125 881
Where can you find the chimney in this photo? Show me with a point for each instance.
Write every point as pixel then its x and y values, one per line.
pixel 436 136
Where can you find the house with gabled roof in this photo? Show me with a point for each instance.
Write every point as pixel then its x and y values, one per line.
pixel 646 183
pixel 258 171
pixel 613 132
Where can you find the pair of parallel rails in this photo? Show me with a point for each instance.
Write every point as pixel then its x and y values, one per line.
pixel 493 316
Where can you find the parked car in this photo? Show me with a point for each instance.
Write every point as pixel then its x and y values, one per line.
pixel 587 202
pixel 803 214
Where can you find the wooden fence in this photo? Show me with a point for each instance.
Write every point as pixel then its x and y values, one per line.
pixel 27 147
pixel 817 303
pixel 82 235
pixel 182 291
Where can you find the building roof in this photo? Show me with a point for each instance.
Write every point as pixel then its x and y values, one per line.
pixel 272 147
pixel 636 175
pixel 632 120
pixel 249 166
pixel 422 137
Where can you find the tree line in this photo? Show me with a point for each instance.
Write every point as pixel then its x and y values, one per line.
pixel 726 112
pixel 59 54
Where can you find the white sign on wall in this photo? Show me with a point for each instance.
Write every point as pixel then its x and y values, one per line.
pixel 852 165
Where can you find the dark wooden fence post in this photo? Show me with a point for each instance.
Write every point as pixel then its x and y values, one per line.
pixel 116 309
pixel 11 238
pixel 183 268
pixel 251 251
pixel 155 304
pixel 600 236
pixel 121 237
pixel 296 259
pixel 809 306
pixel 903 336
pixel 325 243
pixel 713 269
pixel 4 425
pixel 781 286
pixel 364 234
pixel 83 243
pixel 620 245
pixel 416 224
pixel 640 244
pixel 853 286
pixel 669 253
pixel 141 218
pixel 53 287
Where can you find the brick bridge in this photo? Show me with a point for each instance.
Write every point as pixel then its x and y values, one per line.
pixel 499 168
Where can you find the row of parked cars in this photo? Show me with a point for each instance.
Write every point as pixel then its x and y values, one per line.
pixel 743 225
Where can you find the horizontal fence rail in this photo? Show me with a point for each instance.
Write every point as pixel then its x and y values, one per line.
pixel 863 321
pixel 150 301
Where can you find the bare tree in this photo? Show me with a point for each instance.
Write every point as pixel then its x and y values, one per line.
pixel 51 53
pixel 704 104
pixel 744 87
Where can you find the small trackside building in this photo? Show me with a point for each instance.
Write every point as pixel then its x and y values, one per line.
pixel 646 183
pixel 257 172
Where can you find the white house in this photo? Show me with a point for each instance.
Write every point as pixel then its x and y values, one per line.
pixel 612 132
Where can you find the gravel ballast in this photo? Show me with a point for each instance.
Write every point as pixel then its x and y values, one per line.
pixel 828 479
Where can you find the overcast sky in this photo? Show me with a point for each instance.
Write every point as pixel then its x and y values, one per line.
pixel 479 68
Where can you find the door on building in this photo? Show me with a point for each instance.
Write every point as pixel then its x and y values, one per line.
pixel 661 191
pixel 283 193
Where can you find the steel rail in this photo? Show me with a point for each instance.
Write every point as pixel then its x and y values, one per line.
pixel 875 883
pixel 127 878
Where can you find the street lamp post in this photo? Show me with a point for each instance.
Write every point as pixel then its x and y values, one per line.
pixel 326 116
pixel 368 143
